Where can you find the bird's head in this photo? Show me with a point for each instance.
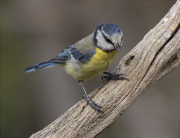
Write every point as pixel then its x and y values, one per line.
pixel 108 37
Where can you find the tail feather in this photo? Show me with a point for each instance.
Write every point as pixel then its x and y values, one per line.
pixel 40 66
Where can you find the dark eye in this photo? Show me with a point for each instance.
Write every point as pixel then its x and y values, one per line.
pixel 107 39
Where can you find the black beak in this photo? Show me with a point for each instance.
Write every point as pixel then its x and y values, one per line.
pixel 117 46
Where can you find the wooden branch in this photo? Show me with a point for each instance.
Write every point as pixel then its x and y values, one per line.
pixel 154 57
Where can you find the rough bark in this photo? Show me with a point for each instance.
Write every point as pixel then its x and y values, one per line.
pixel 153 57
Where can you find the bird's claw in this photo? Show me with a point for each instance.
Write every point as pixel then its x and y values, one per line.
pixel 112 76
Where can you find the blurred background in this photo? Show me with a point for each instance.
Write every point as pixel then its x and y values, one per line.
pixel 36 31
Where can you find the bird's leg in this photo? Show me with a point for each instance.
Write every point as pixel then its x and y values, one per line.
pixel 112 76
pixel 90 102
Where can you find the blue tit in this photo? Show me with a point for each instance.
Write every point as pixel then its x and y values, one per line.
pixel 89 57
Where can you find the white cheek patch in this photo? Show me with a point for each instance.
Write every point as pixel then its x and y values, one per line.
pixel 102 43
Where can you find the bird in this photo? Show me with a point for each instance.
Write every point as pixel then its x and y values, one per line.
pixel 89 57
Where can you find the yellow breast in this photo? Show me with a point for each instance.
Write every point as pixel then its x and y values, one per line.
pixel 98 64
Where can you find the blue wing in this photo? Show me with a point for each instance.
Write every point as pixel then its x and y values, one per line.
pixel 62 58
pixel 83 58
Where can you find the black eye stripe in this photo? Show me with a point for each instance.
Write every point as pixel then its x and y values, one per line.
pixel 108 40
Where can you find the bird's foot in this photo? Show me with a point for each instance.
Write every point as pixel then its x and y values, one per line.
pixel 112 76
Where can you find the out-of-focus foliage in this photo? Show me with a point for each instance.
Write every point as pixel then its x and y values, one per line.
pixel 35 31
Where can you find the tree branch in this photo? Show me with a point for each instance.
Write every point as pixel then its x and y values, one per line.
pixel 154 57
